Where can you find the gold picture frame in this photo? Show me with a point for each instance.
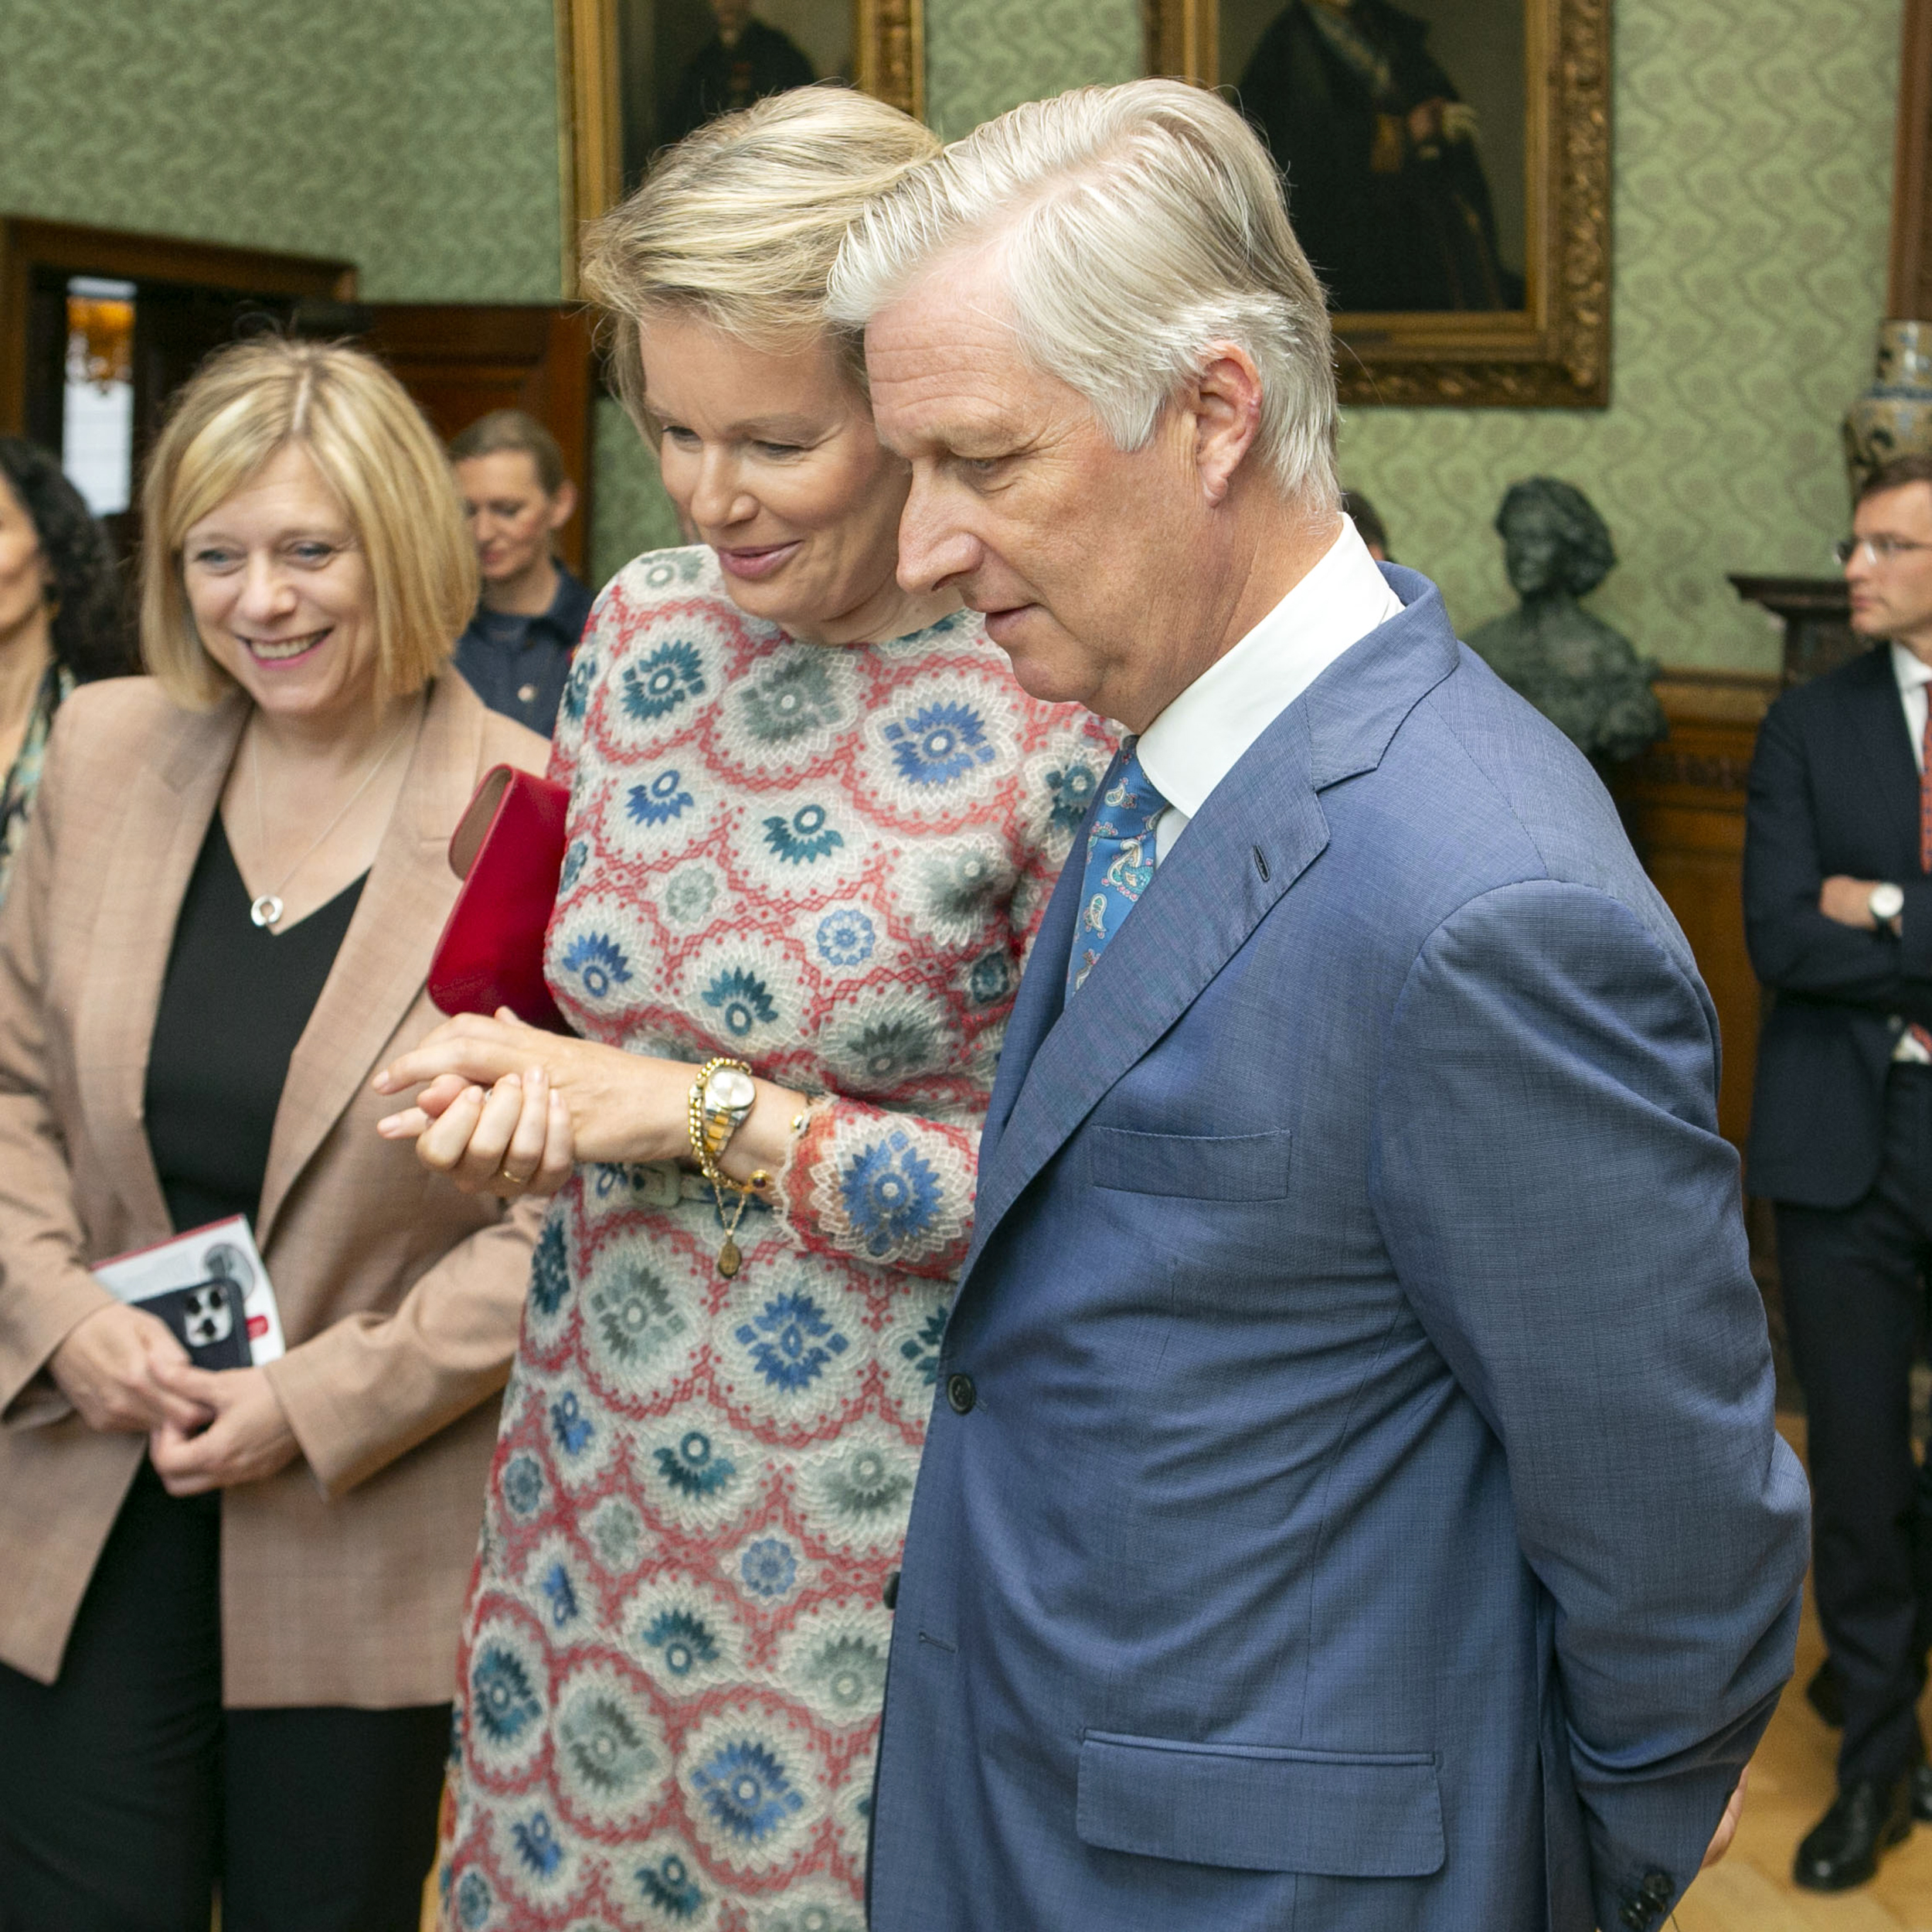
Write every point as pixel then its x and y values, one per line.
pixel 1554 352
pixel 888 61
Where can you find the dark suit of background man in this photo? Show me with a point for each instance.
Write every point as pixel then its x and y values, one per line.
pixel 1353 1497
pixel 1840 913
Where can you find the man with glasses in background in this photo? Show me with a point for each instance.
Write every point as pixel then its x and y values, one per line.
pixel 1837 900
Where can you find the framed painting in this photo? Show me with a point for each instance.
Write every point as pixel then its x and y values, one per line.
pixel 633 75
pixel 1448 170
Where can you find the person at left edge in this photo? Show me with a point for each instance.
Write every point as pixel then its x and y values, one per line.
pixel 515 651
pixel 59 621
pixel 229 1602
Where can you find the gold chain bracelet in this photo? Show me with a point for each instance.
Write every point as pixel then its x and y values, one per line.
pixel 705 1154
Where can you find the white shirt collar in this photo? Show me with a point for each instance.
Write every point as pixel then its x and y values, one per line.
pixel 1911 674
pixel 1202 735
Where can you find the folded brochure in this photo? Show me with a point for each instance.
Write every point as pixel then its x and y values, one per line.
pixel 211 1288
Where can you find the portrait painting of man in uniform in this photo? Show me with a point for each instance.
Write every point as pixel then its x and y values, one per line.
pixel 686 61
pixel 1448 169
pixel 1399 129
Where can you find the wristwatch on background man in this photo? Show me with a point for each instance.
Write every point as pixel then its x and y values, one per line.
pixel 1887 901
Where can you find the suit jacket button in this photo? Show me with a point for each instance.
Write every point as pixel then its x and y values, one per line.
pixel 961 1393
pixel 1656 1888
pixel 1636 1916
pixel 1897 1023
pixel 888 1591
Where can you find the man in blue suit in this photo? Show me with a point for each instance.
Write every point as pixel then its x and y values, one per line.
pixel 1352 1501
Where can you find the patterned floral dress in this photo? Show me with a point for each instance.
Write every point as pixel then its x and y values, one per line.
pixel 828 863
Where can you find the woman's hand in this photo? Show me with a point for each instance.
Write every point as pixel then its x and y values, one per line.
pixel 249 1439
pixel 618 1107
pixel 621 1107
pixel 110 1367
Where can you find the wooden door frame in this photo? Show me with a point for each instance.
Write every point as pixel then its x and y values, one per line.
pixel 26 245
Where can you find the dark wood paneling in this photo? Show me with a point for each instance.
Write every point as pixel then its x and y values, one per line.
pixel 460 361
pixel 1683 802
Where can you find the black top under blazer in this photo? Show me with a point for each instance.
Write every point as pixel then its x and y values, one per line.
pixel 1834 789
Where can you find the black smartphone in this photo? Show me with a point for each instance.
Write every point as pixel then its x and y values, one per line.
pixel 207 1320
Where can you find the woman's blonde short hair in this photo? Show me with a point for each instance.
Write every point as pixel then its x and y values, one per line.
pixel 740 222
pixel 372 447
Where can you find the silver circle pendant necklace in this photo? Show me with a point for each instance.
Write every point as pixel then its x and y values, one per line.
pixel 266 910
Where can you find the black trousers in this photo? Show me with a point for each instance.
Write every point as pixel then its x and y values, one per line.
pixel 128 1797
pixel 1855 1302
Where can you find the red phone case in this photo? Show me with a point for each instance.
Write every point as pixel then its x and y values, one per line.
pixel 508 851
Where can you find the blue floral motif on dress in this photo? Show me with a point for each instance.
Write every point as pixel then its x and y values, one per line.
pixel 500 1695
pixel 577 686
pixel 598 961
pixel 667 1885
pixel 791 1342
pixel 923 1348
pixel 790 700
pixel 660 800
pixel 536 1846
pixel 563 1595
pixel 887 1050
pixel 655 688
pixel 472 1900
pixel 746 1791
pixel 693 1468
pixel 991 977
pixel 571 1428
pixel 1073 790
pixel 804 837
pixel 741 997
pixel 939 744
pixel 522 1485
pixel 891 1193
pixel 684 1640
pixel 688 894
pixel 845 937
pixel 768 1567
pixel 549 1270
pixel 574 859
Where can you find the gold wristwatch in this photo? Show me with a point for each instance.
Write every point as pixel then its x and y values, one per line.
pixel 721 1096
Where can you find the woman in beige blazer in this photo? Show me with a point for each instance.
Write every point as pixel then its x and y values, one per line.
pixel 229 1599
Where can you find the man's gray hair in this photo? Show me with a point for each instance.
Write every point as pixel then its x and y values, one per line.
pixel 1132 227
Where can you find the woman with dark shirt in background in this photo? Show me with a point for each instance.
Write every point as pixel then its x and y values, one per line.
pixel 59 620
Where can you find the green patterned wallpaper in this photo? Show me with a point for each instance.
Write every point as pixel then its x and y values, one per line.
pixel 416 138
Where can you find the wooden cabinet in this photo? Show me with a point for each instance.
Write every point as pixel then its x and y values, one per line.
pixel 1683 805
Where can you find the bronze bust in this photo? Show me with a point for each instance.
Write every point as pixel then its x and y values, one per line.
pixel 1581 675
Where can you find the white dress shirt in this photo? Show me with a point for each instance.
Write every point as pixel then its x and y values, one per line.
pixel 1913 677
pixel 1199 738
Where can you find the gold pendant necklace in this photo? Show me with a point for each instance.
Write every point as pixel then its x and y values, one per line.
pixel 265 911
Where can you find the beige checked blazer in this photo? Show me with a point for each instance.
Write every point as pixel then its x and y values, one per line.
pixel 343 1578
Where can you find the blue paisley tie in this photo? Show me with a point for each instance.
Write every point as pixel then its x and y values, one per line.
pixel 1120 862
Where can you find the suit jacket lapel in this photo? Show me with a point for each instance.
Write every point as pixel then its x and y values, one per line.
pixel 385 953
pixel 172 795
pixel 1887 745
pixel 1261 829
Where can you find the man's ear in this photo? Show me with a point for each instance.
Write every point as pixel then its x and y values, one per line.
pixel 564 505
pixel 1224 402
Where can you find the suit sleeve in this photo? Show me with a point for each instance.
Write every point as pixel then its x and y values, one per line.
pixel 369 1389
pixel 1793 947
pixel 1566 1219
pixel 45 1289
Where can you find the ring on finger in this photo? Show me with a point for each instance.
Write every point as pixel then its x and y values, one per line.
pixel 516 1180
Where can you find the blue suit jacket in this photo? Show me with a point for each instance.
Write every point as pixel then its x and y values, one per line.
pixel 1351 1499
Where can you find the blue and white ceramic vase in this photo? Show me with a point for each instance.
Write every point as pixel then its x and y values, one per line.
pixel 1893 417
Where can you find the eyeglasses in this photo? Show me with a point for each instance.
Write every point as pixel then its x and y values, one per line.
pixel 1878 550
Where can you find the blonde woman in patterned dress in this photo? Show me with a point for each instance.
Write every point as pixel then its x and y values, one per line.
pixel 813 821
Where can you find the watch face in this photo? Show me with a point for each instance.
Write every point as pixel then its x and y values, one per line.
pixel 727 1090
pixel 1886 902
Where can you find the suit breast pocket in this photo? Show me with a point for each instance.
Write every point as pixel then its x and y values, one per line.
pixel 1199 1167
